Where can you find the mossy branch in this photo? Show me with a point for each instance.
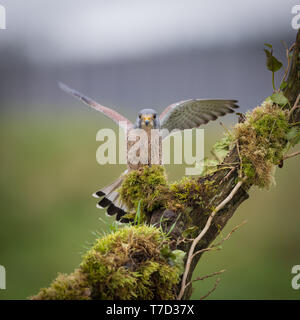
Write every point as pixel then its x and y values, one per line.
pixel 156 260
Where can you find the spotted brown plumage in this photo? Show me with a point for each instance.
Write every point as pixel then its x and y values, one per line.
pixel 181 115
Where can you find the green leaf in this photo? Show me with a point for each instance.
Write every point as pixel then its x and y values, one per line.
pixel 292 133
pixel 268 53
pixel 177 259
pixel 222 147
pixel 210 162
pixel 174 224
pixel 137 218
pixel 279 98
pixel 268 99
pixel 283 85
pixel 189 231
pixel 268 45
pixel 296 140
pixel 209 166
pixel 166 252
pixel 293 136
pixel 272 63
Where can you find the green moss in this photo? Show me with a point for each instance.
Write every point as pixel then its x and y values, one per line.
pixel 149 187
pixel 143 185
pixel 123 265
pixel 248 169
pixel 262 139
pixel 128 265
pixel 66 287
pixel 272 125
pixel 189 193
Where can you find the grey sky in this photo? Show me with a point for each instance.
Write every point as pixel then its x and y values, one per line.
pixel 63 30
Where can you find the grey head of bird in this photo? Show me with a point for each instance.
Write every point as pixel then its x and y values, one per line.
pixel 147 119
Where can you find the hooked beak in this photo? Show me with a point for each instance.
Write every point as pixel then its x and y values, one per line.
pixel 147 120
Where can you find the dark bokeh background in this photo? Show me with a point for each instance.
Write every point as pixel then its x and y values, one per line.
pixel 128 56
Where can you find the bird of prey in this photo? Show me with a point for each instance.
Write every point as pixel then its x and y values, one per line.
pixel 181 115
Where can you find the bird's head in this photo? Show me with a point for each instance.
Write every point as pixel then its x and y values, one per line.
pixel 147 119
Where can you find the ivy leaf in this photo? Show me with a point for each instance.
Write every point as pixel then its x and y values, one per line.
pixel 272 63
pixel 279 98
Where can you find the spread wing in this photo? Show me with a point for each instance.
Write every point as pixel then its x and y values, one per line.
pixel 113 115
pixel 193 113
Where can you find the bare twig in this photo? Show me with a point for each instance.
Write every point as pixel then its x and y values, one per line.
pixel 225 128
pixel 241 162
pixel 229 163
pixel 205 277
pixel 228 175
pixel 212 290
pixel 287 53
pixel 294 107
pixel 295 123
pixel 219 167
pixel 202 233
pixel 230 233
pixel 205 249
pixel 291 155
pixel 292 47
pixel 215 246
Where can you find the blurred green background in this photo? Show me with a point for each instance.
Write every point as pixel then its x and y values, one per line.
pixel 48 216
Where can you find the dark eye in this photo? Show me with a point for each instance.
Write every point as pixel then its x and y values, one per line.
pixel 154 116
pixel 140 116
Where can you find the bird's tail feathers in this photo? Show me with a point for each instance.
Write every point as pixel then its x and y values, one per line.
pixel 111 199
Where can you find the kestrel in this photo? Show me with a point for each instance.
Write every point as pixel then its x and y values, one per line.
pixel 177 116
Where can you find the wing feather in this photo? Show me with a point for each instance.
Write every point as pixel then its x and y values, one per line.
pixel 193 113
pixel 110 113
